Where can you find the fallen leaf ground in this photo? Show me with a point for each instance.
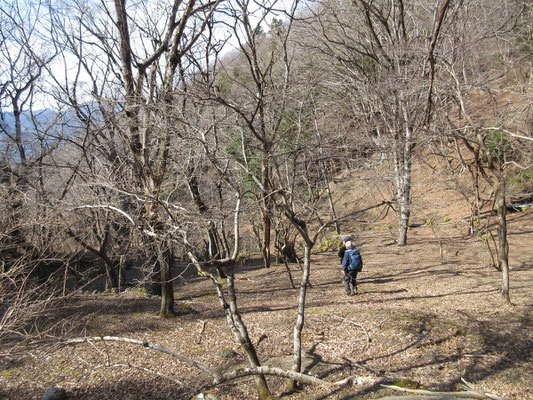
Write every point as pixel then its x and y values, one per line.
pixel 428 315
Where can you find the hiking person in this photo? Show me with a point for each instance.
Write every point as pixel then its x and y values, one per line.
pixel 342 249
pixel 351 265
pixel 341 252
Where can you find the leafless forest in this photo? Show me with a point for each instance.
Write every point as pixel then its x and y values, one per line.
pixel 160 152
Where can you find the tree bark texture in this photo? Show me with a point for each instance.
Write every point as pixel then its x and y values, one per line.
pixel 402 166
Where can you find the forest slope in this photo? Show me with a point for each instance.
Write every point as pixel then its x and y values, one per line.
pixel 430 313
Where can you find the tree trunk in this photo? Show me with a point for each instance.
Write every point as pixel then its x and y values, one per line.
pixel 239 331
pixel 18 133
pixel 213 249
pixel 503 245
pixel 266 203
pixel 404 211
pixel 111 265
pixel 165 258
pixel 327 180
pixel 404 214
pixel 265 246
pixel 289 273
pixel 403 185
pixel 298 327
pixel 111 269
pixel 332 205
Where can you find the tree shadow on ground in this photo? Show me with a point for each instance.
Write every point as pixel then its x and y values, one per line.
pixel 157 388
pixel 77 316
pixel 499 350
pixel 509 347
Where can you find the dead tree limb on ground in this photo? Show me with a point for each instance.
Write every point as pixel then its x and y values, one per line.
pixel 427 394
pixel 227 376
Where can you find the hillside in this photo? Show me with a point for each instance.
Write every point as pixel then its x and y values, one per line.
pixel 428 315
pixel 173 125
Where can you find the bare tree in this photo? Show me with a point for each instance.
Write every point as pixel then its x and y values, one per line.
pixel 21 71
pixel 491 144
pixel 273 107
pixel 228 301
pixel 132 61
pixel 34 261
pixel 381 55
pixel 23 132
pixel 253 88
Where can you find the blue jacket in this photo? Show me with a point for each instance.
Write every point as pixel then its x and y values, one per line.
pixel 347 259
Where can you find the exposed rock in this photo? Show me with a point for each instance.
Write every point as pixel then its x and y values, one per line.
pixel 54 393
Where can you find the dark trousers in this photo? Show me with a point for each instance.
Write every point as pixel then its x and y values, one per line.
pixel 350 279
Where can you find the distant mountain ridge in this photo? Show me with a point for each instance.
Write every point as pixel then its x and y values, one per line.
pixel 37 126
pixel 28 118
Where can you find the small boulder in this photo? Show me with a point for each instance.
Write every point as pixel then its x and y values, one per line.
pixel 54 393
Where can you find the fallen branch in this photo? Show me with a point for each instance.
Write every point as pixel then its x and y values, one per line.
pixel 232 375
pixel 266 370
pixel 303 378
pixel 443 395
pixel 412 397
pixel 218 379
pixel 490 396
pixel 427 394
pixel 415 397
pixel 361 380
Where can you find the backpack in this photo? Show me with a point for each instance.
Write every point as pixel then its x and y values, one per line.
pixel 356 262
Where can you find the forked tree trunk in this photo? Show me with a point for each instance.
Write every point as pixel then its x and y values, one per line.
pixel 233 317
pixel 212 234
pixel 111 265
